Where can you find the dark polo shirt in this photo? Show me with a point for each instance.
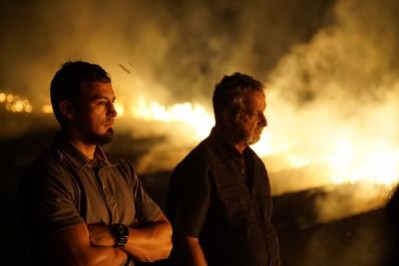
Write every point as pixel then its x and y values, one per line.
pixel 223 198
pixel 63 188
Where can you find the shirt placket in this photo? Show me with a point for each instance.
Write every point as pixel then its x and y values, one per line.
pixel 101 189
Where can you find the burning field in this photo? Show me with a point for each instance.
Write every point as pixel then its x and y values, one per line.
pixel 332 84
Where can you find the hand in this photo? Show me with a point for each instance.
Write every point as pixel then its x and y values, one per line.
pixel 100 235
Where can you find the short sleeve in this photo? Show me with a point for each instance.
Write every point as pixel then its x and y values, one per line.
pixel 46 200
pixel 188 199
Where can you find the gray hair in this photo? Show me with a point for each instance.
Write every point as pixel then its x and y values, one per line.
pixel 228 94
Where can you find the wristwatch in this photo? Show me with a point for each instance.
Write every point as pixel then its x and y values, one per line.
pixel 121 233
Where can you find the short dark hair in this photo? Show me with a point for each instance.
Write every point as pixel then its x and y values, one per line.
pixel 228 92
pixel 67 83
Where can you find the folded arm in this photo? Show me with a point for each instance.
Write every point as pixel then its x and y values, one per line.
pixel 71 246
pixel 146 243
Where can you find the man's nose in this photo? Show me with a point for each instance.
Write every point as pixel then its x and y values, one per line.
pixel 111 110
pixel 263 120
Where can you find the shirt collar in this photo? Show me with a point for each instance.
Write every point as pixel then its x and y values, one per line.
pixel 75 156
pixel 225 146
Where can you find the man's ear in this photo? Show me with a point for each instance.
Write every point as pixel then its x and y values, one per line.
pixel 67 109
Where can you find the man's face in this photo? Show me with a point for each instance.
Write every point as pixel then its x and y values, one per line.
pixel 95 113
pixel 250 121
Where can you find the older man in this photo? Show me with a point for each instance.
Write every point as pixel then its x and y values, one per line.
pixel 219 198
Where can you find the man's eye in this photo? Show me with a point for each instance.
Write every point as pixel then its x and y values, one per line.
pixel 252 114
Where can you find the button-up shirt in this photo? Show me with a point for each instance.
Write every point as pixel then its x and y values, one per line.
pixel 223 198
pixel 64 187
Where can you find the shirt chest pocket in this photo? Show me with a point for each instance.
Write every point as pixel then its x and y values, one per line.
pixel 234 203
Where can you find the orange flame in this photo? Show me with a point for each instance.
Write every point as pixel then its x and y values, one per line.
pixel 347 160
pixel 193 115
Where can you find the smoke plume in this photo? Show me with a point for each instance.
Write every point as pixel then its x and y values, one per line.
pixel 330 68
pixel 333 107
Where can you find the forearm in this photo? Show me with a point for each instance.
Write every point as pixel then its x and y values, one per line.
pixel 101 256
pixel 72 246
pixel 150 243
pixel 146 243
pixel 189 252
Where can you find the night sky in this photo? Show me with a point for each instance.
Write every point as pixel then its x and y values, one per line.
pixel 182 47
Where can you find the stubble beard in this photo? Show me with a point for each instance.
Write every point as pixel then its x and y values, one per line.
pixel 101 139
pixel 254 137
pixel 252 140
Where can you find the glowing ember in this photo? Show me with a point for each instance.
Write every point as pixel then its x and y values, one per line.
pixel 10 98
pixel 47 109
pixel 2 97
pixel 15 104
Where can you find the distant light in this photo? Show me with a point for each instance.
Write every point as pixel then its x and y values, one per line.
pixel 28 108
pixel 47 109
pixel 10 98
pixel 15 103
pixel 18 106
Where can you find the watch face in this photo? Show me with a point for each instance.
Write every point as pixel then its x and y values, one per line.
pixel 123 230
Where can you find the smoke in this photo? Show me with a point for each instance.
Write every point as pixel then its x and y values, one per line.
pixel 330 67
pixel 333 108
pixel 166 51
pixel 173 50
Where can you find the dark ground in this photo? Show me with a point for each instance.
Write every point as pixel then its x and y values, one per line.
pixel 367 239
